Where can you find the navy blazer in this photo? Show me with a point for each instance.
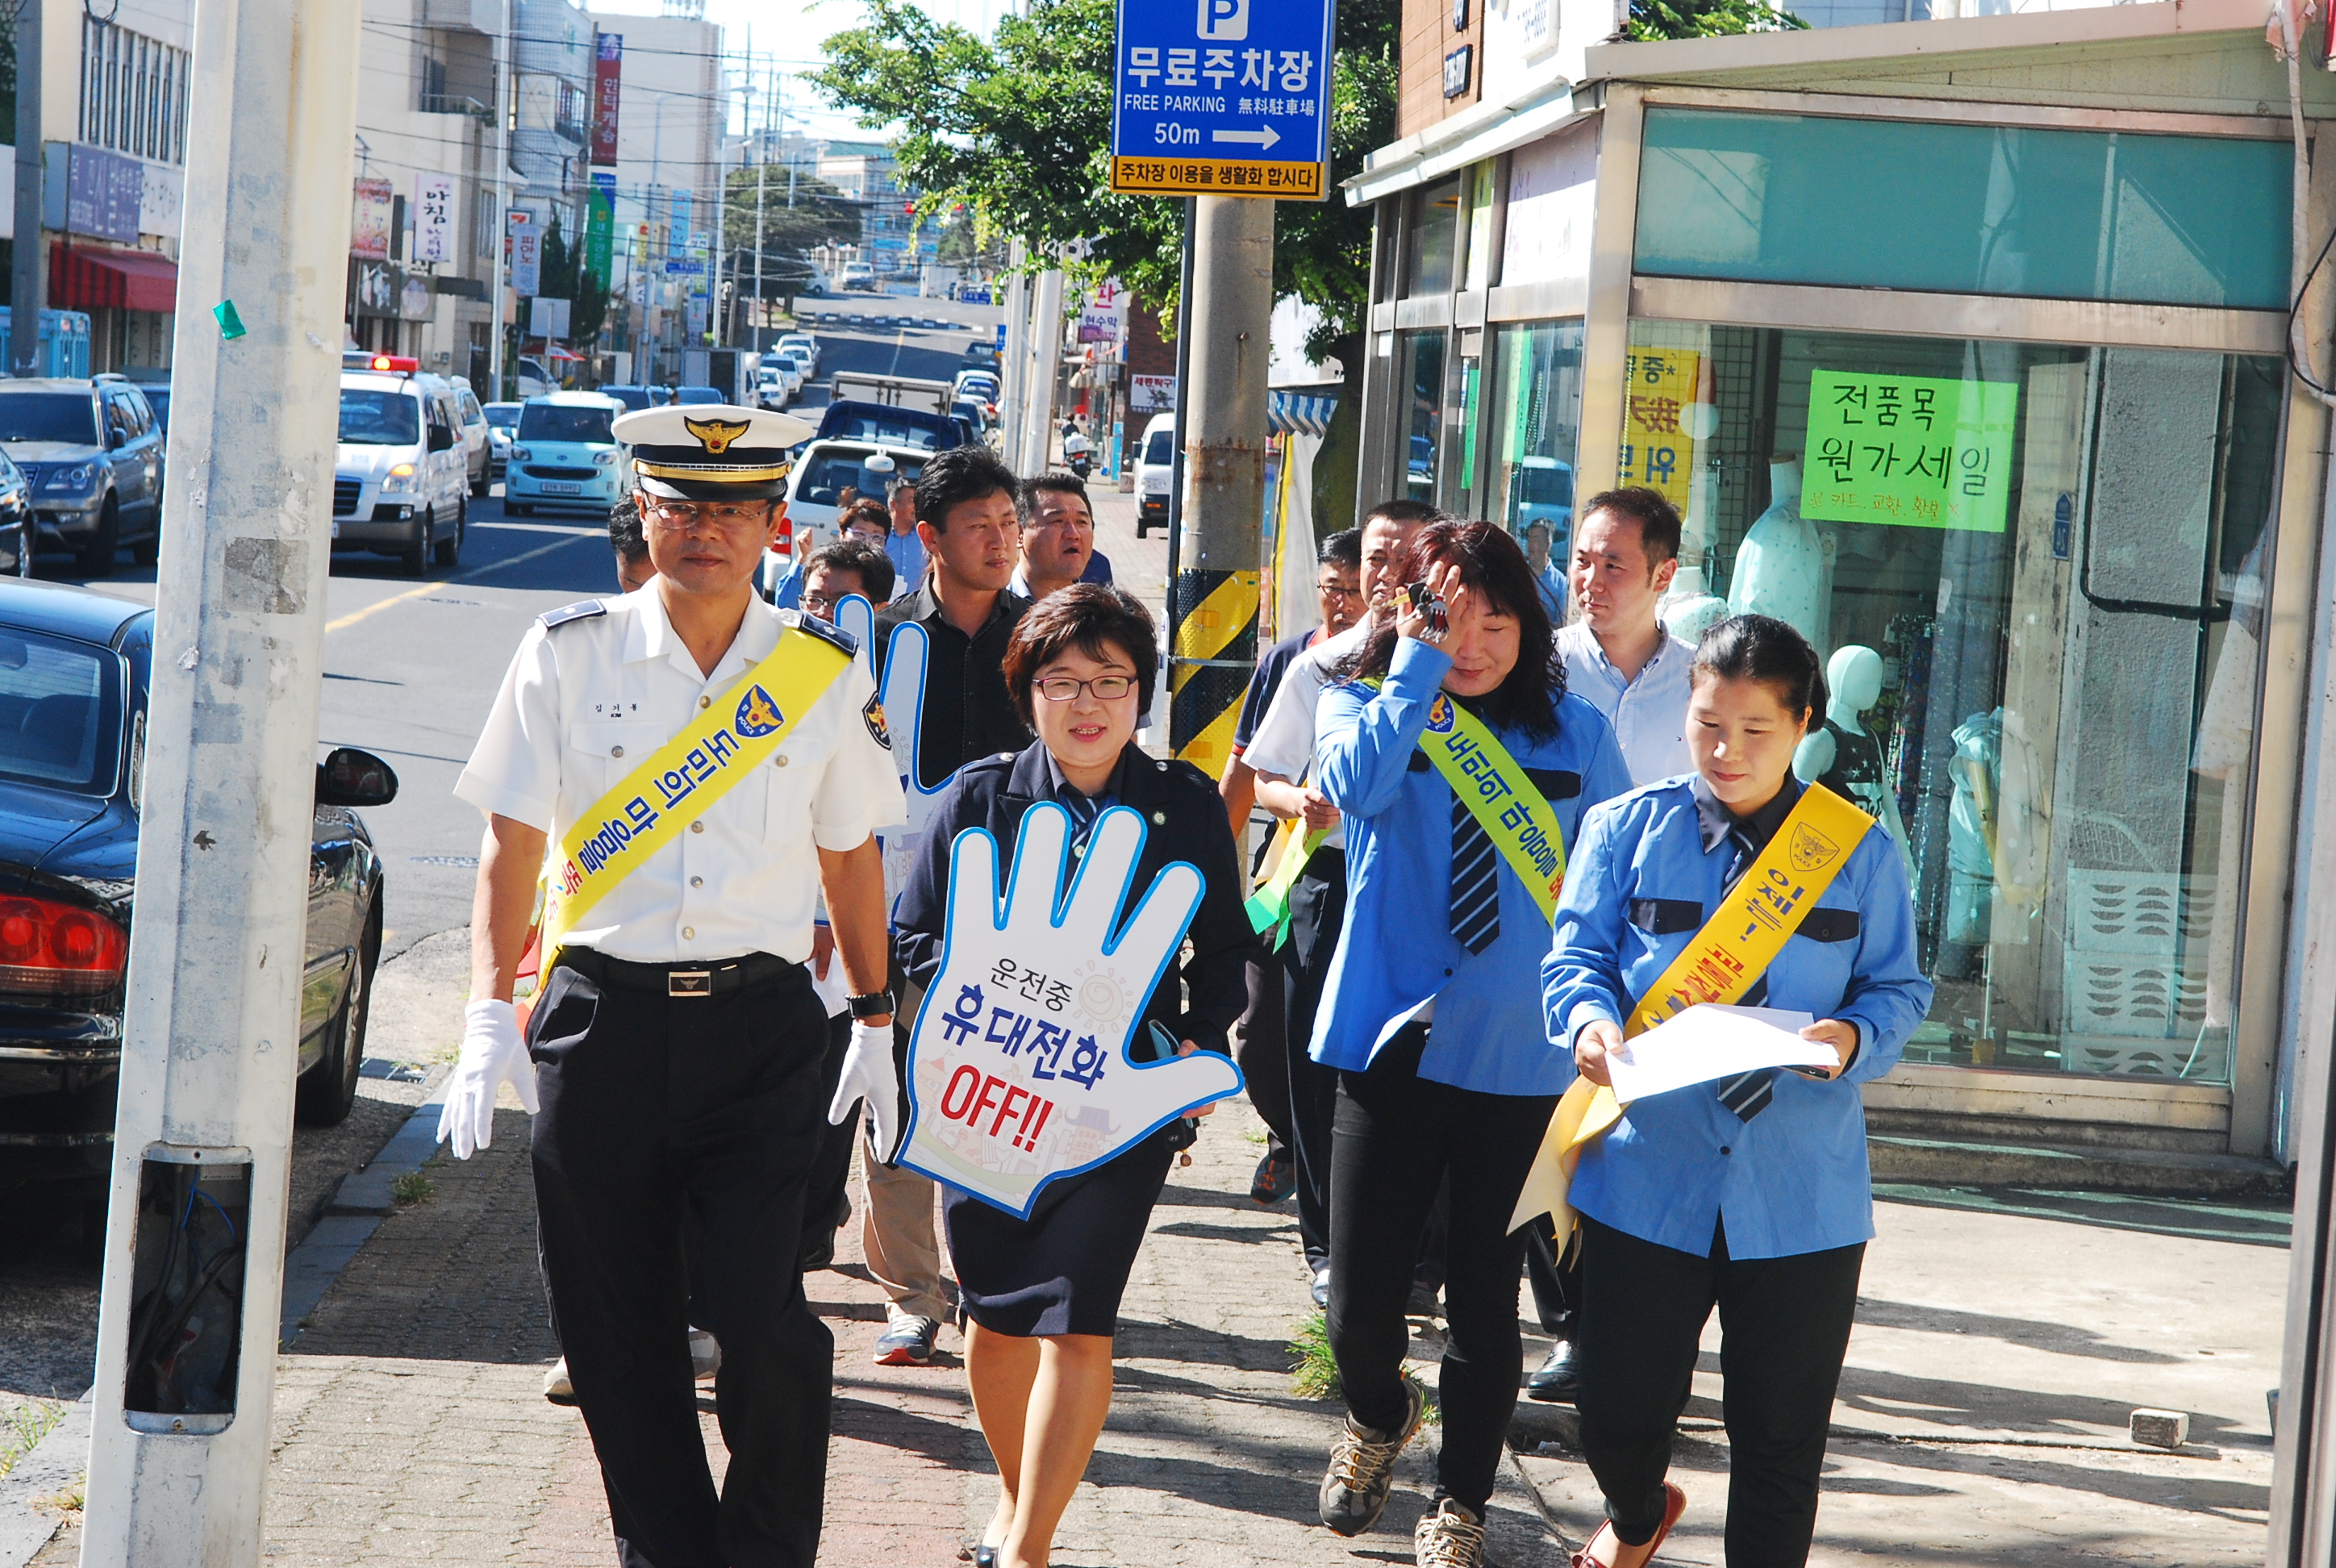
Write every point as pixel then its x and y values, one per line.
pixel 1184 820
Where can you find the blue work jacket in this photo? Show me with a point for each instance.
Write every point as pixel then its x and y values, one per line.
pixel 1650 868
pixel 1397 951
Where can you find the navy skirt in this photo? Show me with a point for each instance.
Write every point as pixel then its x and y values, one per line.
pixel 1063 1270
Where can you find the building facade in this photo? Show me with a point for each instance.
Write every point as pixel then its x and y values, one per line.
pixel 1960 345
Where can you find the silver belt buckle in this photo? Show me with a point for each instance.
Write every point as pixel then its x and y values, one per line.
pixel 689 982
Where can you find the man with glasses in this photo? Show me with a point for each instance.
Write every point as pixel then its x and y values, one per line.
pixel 703 767
pixel 1260 1048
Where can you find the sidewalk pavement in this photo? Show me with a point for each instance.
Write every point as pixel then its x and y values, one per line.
pixel 2002 1340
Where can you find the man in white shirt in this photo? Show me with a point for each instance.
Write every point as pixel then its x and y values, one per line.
pixel 1282 752
pixel 1618 657
pixel 676 1043
pixel 1621 660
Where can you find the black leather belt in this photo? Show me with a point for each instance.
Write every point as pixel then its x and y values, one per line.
pixel 691 980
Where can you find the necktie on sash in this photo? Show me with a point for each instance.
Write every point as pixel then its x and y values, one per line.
pixel 1476 882
pixel 1747 1093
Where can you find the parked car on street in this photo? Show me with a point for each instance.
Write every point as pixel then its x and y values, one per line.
pixel 478 449
pixel 19 526
pixel 73 676
pixel 567 455
pixel 93 452
pixel 1156 459
pixel 806 341
pixel 502 419
pixel 158 398
pixel 634 398
pixel 400 483
pixel 826 466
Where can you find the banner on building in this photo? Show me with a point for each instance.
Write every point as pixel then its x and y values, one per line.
pixel 1151 393
pixel 434 218
pixel 369 209
pixel 1913 450
pixel 676 235
pixel 1104 318
pixel 607 74
pixel 526 254
pixel 601 227
pixel 1657 450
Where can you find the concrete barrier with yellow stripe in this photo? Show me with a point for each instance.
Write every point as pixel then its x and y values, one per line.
pixel 1210 668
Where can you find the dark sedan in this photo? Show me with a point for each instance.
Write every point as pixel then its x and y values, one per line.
pixel 73 670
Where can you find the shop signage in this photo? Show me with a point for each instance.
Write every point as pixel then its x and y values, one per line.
pixel 1657 445
pixel 547 316
pixel 1222 98
pixel 1455 70
pixel 607 72
pixel 1105 314
pixel 370 204
pixel 974 293
pixel 526 254
pixel 97 193
pixel 434 218
pixel 1151 393
pixel 1910 449
pixel 377 288
pixel 677 234
pixel 600 225
pixel 413 298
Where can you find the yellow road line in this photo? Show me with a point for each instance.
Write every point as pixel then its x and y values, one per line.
pixel 353 617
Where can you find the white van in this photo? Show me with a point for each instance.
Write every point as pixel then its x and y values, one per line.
pixel 1155 461
pixel 401 475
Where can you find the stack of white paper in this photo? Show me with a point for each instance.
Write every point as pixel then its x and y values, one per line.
pixel 1709 1042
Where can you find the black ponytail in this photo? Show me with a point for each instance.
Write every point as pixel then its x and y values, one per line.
pixel 1763 648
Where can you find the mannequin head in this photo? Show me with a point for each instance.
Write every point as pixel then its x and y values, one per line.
pixel 1854 677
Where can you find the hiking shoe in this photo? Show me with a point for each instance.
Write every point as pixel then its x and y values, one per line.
pixel 1449 1537
pixel 1362 1469
pixel 704 1356
pixel 908 1342
pixel 1275 1179
pixel 556 1386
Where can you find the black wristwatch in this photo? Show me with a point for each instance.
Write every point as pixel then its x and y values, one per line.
pixel 874 1005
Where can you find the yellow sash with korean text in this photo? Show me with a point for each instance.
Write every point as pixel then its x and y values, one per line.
pixel 1720 961
pixel 1505 803
pixel 674 787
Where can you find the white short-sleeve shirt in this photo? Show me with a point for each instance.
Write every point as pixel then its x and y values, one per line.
pixel 1283 745
pixel 586 701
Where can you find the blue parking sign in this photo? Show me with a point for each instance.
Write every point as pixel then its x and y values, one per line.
pixel 1222 98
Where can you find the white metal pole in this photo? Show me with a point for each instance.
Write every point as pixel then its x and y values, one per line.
pixel 1009 361
pixel 505 110
pixel 212 1020
pixel 1042 369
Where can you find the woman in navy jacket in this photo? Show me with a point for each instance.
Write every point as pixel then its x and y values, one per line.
pixel 1750 1193
pixel 1429 1013
pixel 1042 1294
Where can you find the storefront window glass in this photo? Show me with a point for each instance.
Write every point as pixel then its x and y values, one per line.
pixel 1536 422
pixel 2037 575
pixel 1966 209
pixel 1434 230
pixel 1421 357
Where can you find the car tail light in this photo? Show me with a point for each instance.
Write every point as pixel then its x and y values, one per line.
pixel 52 949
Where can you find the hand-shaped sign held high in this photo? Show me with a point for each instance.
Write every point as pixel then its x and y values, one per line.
pixel 1018 1069
pixel 900 698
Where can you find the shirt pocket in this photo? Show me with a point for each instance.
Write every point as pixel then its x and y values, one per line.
pixel 790 781
pixel 600 754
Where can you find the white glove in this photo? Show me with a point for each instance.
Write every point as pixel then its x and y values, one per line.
pixel 869 1074
pixel 493 1055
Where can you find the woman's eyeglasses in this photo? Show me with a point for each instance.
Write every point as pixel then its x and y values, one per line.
pixel 1062 688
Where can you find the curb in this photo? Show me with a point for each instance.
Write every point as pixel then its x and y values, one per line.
pixel 353 1213
pixel 56 1464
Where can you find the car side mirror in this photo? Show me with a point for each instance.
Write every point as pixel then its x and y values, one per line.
pixel 350 777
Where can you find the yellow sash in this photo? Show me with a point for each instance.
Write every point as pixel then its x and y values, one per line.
pixel 682 777
pixel 1505 803
pixel 1268 905
pixel 1719 964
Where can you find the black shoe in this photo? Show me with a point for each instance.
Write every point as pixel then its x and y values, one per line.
pixel 1276 1179
pixel 1423 1303
pixel 1558 1381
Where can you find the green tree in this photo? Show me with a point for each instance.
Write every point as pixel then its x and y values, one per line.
pixel 1653 19
pixel 565 277
pixel 819 214
pixel 1017 130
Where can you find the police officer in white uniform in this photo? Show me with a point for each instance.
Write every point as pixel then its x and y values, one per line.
pixel 676 1044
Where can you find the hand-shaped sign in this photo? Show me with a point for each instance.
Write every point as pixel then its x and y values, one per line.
pixel 1018 1071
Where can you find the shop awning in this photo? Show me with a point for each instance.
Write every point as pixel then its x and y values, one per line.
pixel 91 279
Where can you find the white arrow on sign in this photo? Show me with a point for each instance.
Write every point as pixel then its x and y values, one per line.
pixel 1265 138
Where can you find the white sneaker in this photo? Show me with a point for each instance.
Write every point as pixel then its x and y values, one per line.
pixel 556 1386
pixel 704 1356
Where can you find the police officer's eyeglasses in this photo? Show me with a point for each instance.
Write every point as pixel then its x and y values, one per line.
pixel 1062 688
pixel 677 517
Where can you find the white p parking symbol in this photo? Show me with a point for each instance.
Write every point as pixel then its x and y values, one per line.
pixel 1225 19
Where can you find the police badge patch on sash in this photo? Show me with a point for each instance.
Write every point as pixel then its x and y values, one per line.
pixel 873 716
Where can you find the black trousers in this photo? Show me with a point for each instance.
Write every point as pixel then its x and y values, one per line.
pixel 1264 1055
pixel 657 1110
pixel 1556 1286
pixel 1400 1137
pixel 1786 1322
pixel 831 1173
pixel 1317 909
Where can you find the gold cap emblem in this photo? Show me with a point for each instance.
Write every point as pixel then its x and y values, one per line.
pixel 712 434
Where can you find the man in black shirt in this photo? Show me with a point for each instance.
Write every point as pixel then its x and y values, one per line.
pixel 967 522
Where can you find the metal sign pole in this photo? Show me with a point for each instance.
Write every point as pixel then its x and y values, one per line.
pixel 194 1249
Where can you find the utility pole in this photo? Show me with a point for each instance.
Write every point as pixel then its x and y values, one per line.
pixel 1042 367
pixel 185 1351
pixel 505 110
pixel 762 207
pixel 29 272
pixel 1009 364
pixel 1220 423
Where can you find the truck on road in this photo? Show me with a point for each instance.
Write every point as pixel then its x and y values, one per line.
pixel 897 390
